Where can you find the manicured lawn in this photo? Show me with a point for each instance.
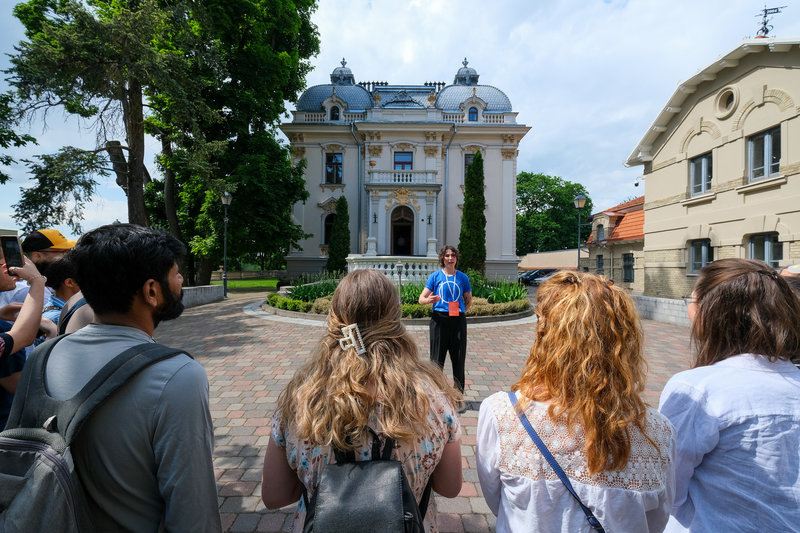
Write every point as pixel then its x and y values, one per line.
pixel 249 283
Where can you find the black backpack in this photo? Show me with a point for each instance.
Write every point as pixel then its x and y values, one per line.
pixel 40 488
pixel 365 496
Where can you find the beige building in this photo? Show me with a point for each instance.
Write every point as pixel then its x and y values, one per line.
pixel 399 154
pixel 721 166
pixel 616 245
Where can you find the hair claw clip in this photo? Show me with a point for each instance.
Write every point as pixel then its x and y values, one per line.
pixel 352 339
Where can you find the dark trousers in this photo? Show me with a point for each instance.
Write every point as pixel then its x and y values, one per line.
pixel 449 334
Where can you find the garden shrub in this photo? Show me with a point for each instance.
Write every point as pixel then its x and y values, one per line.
pixel 321 306
pixel 416 310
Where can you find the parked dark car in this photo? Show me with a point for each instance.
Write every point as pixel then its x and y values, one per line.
pixel 531 275
pixel 539 279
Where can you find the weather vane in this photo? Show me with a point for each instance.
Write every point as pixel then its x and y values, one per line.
pixel 765 26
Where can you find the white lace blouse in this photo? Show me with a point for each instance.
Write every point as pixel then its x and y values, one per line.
pixel 526 495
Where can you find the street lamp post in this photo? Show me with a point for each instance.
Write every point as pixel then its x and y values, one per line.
pixel 580 201
pixel 399 267
pixel 226 198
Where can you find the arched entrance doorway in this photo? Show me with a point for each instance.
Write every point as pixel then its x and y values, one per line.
pixel 402 231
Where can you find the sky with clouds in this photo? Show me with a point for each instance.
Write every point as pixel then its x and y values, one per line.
pixel 588 76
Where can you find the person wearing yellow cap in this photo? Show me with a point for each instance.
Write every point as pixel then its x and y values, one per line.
pixel 44 246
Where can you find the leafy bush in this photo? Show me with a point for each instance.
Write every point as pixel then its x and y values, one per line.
pixel 273 298
pixel 321 306
pixel 508 292
pixel 309 288
pixel 410 293
pixel 416 310
pixel 481 307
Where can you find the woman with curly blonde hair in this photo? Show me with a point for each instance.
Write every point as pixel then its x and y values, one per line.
pixel 580 389
pixel 366 373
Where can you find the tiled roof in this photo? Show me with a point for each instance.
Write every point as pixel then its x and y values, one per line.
pixel 629 223
pixel 450 98
pixel 630 205
pixel 630 227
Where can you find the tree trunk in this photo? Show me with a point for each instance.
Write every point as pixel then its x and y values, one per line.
pixel 204 271
pixel 135 126
pixel 169 190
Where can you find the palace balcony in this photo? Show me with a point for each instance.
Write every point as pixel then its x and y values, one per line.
pixel 401 177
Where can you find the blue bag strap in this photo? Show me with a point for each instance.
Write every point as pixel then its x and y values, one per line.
pixel 593 521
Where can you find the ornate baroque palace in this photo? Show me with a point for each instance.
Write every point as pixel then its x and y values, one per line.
pixel 399 154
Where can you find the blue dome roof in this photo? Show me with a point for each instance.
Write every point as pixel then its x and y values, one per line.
pixel 450 98
pixel 356 97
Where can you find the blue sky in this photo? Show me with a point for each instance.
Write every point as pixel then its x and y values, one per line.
pixel 588 76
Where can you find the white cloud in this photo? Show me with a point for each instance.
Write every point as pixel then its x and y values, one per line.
pixel 588 76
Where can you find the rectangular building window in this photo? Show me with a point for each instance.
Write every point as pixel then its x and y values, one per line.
pixel 701 254
pixel 600 266
pixel 467 162
pixel 403 160
pixel 766 247
pixel 333 168
pixel 700 174
pixel 764 154
pixel 627 268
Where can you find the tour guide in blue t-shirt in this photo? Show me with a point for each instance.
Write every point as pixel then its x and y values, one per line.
pixel 450 293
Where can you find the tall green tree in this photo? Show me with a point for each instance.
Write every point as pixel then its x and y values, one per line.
pixel 8 135
pixel 97 60
pixel 472 238
pixel 262 49
pixel 546 215
pixel 339 244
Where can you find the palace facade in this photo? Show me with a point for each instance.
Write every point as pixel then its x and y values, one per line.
pixel 399 154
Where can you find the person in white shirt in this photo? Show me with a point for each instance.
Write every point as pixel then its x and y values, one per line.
pixel 737 411
pixel 581 390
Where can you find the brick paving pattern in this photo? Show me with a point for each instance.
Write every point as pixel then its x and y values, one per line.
pixel 250 356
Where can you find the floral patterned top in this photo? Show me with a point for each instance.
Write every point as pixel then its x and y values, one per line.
pixel 419 457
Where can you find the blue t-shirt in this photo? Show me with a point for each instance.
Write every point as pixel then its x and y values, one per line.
pixel 449 288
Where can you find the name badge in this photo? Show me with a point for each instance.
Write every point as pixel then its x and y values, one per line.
pixel 452 308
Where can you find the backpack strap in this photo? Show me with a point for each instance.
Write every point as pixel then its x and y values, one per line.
pixel 63 321
pixel 71 414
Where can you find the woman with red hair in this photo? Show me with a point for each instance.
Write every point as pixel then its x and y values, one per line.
pixel 581 391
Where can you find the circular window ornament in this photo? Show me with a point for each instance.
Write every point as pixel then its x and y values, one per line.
pixel 726 101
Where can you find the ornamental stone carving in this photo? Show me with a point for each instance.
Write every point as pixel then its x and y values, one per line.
pixel 509 139
pixel 403 147
pixel 298 152
pixel 431 136
pixel 297 138
pixel 402 196
pixel 509 153
pixel 375 150
pixel 431 151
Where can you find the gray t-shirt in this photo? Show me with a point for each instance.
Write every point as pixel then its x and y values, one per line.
pixel 145 456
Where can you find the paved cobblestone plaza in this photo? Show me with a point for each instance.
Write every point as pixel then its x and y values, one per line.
pixel 250 356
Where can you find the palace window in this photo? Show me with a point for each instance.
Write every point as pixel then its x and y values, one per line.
pixel 601 233
pixel 627 268
pixel 700 170
pixel 701 254
pixel 764 154
pixel 467 162
pixel 600 265
pixel 766 247
pixel 335 113
pixel 473 114
pixel 328 227
pixel 403 160
pixel 333 168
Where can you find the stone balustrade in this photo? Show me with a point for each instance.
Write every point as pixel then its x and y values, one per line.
pixel 402 177
pixel 415 269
